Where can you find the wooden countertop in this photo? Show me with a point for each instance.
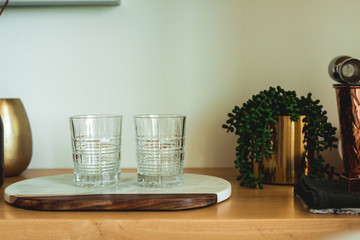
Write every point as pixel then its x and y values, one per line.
pixel 271 213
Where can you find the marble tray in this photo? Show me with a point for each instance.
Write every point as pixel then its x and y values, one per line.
pixel 59 193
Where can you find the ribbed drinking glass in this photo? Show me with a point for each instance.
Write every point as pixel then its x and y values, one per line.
pixel 160 149
pixel 96 146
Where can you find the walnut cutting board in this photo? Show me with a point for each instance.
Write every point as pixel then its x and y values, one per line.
pixel 59 193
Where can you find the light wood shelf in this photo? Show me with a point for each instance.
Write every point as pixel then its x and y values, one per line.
pixel 271 213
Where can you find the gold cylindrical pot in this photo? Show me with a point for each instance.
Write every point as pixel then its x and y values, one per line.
pixel 287 164
pixel 17 136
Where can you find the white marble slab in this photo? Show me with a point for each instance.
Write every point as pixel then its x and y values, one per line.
pixel 64 185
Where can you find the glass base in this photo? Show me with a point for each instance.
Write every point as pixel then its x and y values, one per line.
pixel 96 181
pixel 159 181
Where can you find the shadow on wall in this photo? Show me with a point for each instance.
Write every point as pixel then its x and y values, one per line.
pixel 209 143
pixel 332 157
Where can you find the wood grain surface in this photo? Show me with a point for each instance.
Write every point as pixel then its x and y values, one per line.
pixel 115 202
pixel 270 213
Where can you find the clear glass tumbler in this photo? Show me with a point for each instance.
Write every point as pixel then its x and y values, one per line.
pixel 96 146
pixel 160 149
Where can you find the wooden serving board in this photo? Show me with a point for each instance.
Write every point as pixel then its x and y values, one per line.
pixel 60 193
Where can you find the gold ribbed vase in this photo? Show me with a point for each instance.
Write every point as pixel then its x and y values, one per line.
pixel 287 163
pixel 17 136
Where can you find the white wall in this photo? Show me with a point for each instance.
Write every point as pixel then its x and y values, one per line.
pixel 194 57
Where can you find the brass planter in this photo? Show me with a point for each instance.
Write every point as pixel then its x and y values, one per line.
pixel 1 152
pixel 287 164
pixel 17 136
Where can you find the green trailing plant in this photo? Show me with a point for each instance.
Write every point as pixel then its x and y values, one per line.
pixel 253 123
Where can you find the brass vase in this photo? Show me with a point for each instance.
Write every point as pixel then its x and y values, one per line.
pixel 1 152
pixel 17 136
pixel 287 164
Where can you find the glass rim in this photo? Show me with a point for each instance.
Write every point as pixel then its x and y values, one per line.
pixel 95 116
pixel 152 116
